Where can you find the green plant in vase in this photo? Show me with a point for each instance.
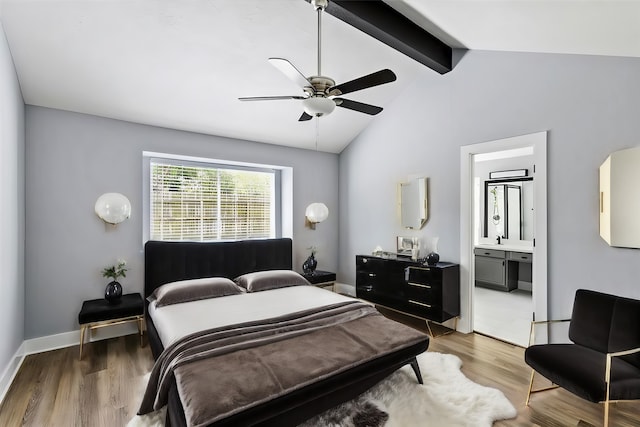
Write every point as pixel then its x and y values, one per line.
pixel 113 291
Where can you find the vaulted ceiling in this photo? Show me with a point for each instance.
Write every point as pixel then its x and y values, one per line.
pixel 182 64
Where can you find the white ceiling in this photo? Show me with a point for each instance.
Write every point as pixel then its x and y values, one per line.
pixel 182 64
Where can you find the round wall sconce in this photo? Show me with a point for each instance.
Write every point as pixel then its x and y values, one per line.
pixel 113 208
pixel 315 213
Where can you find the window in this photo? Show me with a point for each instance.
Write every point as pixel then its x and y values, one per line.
pixel 201 201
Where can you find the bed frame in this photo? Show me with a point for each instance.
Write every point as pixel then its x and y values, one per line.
pixel 170 261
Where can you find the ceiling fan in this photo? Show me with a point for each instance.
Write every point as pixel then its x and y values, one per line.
pixel 321 94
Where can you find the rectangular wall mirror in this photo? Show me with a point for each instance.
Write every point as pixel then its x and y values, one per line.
pixel 413 203
pixel 508 209
pixel 620 198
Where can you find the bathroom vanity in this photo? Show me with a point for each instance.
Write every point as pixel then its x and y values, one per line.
pixel 503 268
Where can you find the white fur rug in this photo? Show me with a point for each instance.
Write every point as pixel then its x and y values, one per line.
pixel 447 399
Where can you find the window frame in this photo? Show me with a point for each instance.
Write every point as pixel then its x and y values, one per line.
pixel 180 160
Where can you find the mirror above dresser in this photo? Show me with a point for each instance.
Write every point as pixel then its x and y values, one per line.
pixel 412 197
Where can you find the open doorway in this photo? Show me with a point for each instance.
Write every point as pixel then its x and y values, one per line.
pixel 503 208
pixel 511 269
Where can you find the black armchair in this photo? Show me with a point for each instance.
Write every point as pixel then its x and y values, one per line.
pixel 602 364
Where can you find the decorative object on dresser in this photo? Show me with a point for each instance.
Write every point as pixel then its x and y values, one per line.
pixel 427 292
pixel 99 313
pixel 113 291
pixel 113 208
pixel 432 257
pixel 408 246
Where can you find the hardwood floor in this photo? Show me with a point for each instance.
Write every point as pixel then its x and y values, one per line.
pixel 501 365
pixel 105 388
pixel 56 389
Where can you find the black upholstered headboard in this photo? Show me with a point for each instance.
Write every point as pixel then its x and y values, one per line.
pixel 166 262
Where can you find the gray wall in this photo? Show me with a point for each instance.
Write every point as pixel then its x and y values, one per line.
pixel 73 158
pixel 12 212
pixel 589 105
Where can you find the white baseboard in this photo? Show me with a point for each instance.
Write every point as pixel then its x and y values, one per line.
pixel 51 342
pixel 11 371
pixel 71 338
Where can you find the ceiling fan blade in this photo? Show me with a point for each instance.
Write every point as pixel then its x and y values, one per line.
pixel 357 106
pixel 289 70
pixel 270 98
pixel 373 79
pixel 304 117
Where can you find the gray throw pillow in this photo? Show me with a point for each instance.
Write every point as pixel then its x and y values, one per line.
pixel 193 290
pixel 270 279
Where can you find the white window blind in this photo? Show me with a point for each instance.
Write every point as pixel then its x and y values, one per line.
pixel 201 202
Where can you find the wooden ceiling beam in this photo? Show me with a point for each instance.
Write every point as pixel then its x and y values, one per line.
pixel 381 21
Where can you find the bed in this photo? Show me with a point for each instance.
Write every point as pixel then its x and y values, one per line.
pixel 326 317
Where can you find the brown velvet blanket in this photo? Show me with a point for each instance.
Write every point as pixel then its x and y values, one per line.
pixel 222 371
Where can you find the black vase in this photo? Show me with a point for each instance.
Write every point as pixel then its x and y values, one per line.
pixel 433 258
pixel 310 265
pixel 113 292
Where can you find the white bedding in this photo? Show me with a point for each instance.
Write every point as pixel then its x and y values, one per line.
pixel 176 321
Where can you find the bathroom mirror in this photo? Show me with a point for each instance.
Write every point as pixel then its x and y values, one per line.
pixel 508 209
pixel 413 203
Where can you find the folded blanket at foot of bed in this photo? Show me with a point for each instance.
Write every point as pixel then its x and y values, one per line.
pixel 226 370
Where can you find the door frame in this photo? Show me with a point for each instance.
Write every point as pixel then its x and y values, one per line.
pixel 539 273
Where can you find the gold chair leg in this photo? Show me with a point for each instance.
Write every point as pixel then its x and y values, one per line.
pixel 533 372
pixel 82 329
pixel 606 412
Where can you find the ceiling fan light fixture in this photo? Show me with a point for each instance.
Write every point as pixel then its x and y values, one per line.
pixel 319 4
pixel 318 106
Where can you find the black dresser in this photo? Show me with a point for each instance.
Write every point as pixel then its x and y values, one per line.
pixel 425 291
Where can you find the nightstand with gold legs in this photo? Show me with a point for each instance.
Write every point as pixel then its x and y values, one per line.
pixel 99 313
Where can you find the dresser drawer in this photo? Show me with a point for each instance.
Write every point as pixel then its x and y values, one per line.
pixel 423 275
pixel 427 293
pixel 422 309
pixel 370 264
pixel 493 253
pixel 520 256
